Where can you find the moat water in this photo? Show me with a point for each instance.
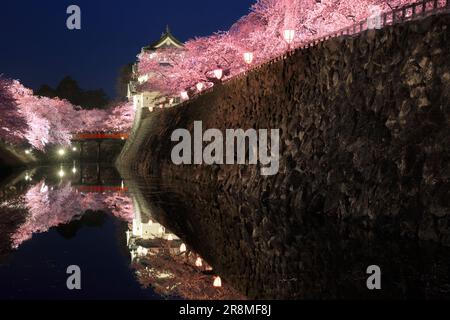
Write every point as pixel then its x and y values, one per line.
pixel 85 215
pixel 149 239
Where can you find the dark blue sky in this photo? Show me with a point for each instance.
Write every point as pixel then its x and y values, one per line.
pixel 36 47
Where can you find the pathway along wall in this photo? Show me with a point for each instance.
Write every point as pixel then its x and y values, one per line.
pixel 364 126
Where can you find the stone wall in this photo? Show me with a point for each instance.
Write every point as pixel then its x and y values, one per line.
pixel 365 145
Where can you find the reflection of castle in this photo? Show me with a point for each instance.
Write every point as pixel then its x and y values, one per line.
pixel 146 236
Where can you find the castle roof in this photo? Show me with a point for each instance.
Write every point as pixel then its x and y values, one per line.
pixel 167 41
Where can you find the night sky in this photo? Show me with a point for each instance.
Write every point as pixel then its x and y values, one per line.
pixel 37 48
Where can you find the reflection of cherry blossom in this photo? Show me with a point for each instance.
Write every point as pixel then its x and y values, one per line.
pixel 181 275
pixel 50 207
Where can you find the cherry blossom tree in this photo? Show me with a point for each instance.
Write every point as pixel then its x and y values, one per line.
pixel 13 124
pixel 260 32
pixel 56 119
pixel 120 118
pixel 43 121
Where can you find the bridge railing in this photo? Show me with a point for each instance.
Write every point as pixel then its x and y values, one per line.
pixel 405 13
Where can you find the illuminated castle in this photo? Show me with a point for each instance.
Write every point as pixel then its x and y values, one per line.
pixel 151 99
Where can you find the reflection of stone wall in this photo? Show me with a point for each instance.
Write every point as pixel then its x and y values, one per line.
pixel 365 162
pixel 270 250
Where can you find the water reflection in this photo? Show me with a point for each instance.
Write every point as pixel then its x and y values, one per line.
pixel 162 239
pixel 278 250
pixel 68 198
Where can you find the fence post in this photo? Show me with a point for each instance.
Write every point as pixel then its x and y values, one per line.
pixel 414 11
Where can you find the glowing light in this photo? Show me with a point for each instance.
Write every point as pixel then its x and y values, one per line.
pixel 248 57
pixel 198 262
pixel 184 95
pixel 200 86
pixel 171 101
pixel 289 35
pixel 61 152
pixel 170 238
pixel 44 188
pixel 61 173
pixel 218 73
pixel 74 170
pixel 74 149
pixel 28 151
pixel 183 248
pixel 217 282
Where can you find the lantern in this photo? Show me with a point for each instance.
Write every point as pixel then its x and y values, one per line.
pixel 184 95
pixel 198 262
pixel 218 73
pixel 200 86
pixel 289 35
pixel 217 282
pixel 183 248
pixel 248 57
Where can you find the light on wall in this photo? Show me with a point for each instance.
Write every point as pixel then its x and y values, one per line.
pixel 184 95
pixel 218 73
pixel 289 35
pixel 248 57
pixel 200 86
pixel 217 282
